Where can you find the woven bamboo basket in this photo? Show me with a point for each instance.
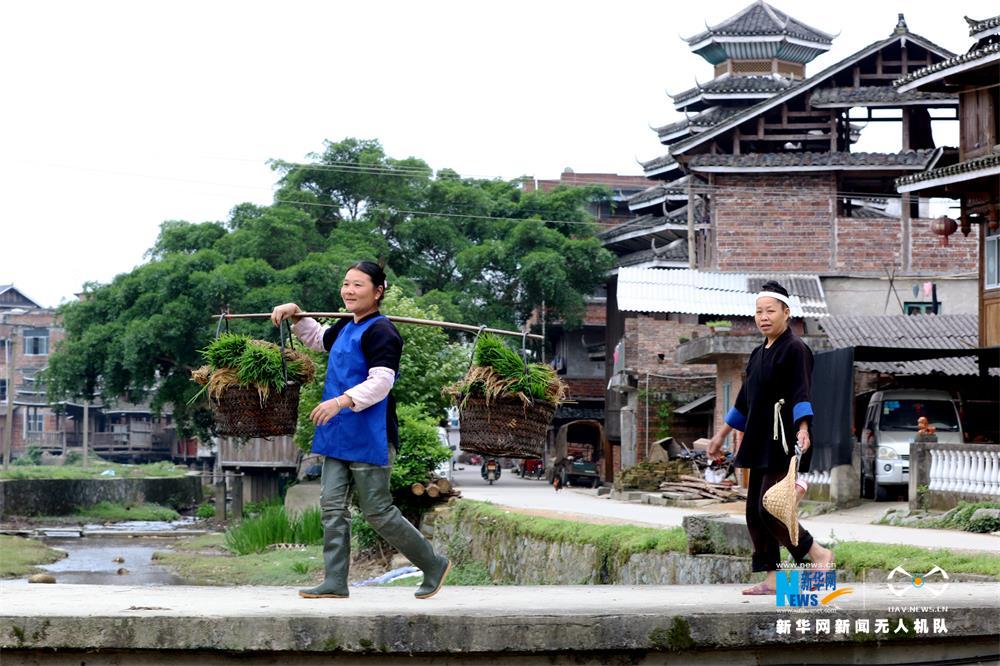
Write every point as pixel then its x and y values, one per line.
pixel 505 427
pixel 782 501
pixel 239 413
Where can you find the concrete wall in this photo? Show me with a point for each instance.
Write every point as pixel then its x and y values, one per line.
pixel 57 497
pixel 866 295
pixel 527 560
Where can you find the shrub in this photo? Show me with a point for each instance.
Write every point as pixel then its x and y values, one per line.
pixel 205 511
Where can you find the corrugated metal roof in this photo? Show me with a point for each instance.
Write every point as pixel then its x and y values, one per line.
pixel 699 292
pixel 959 331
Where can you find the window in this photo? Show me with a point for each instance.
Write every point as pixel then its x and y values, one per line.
pixel 921 307
pixel 34 421
pixel 991 269
pixel 36 342
pixel 3 389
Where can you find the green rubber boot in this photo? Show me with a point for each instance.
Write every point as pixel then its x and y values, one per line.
pixel 376 502
pixel 336 558
pixel 433 578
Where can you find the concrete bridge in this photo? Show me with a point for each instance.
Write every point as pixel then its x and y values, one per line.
pixel 49 624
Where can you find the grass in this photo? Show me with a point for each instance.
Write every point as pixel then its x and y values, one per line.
pixel 112 511
pixel 92 471
pixel 620 541
pixel 19 556
pixel 856 556
pixel 204 562
pixel 469 572
pixel 272 525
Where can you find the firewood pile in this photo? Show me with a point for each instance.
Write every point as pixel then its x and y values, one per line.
pixel 437 490
pixel 649 476
pixel 688 487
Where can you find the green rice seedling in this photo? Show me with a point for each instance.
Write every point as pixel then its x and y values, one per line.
pixel 225 351
pixel 260 366
pixel 493 352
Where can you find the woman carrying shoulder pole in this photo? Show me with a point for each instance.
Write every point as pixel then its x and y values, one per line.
pixel 779 369
pixel 357 431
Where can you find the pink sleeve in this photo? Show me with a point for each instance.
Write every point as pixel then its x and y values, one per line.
pixel 372 390
pixel 310 333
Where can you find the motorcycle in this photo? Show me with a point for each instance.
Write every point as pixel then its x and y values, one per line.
pixel 491 471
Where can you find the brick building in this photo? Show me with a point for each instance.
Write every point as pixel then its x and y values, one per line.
pixel 29 333
pixel 761 177
pixel 973 175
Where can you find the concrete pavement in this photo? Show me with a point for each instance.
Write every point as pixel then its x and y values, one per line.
pixel 583 504
pixel 589 621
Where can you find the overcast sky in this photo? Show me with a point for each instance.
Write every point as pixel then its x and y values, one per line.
pixel 117 116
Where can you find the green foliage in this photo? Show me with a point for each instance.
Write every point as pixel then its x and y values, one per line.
pixel 113 511
pixel 92 471
pixel 205 511
pixel 479 251
pixel 724 323
pixel 420 449
pixel 271 526
pixel 33 456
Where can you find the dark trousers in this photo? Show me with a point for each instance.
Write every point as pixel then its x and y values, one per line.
pixel 767 532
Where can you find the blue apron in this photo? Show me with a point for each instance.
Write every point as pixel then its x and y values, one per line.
pixel 352 436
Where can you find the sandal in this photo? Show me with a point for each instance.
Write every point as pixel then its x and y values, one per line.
pixel 760 589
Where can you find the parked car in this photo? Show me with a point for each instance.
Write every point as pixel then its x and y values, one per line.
pixel 889 427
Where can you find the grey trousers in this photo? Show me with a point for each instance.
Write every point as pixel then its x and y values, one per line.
pixel 372 484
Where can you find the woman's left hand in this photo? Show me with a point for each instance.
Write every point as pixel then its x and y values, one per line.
pixel 803 439
pixel 324 411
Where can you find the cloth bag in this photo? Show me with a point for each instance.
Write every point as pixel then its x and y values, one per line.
pixel 781 500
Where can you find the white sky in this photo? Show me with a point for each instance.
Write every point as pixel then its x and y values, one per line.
pixel 119 115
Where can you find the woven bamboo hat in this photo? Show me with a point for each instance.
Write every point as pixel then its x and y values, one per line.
pixel 782 501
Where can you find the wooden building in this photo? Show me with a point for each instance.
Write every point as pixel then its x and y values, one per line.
pixel 763 171
pixel 973 174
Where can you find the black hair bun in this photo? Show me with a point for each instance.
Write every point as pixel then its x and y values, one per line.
pixel 776 287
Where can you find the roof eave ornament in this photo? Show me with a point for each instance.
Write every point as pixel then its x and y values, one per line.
pixel 901 28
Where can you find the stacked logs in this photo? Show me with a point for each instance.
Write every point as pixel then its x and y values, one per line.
pixel 688 487
pixel 437 489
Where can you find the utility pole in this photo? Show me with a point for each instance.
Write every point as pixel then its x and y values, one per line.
pixel 8 423
pixel 86 430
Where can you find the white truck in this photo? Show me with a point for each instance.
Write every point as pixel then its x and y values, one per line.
pixel 891 425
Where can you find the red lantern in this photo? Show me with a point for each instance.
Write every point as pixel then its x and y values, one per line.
pixel 944 226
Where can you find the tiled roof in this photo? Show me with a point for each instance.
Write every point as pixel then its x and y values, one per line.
pixel 909 159
pixel 706 118
pixel 970 167
pixel 759 86
pixel 976 27
pixel 679 253
pixel 657 193
pixel 644 222
pixel 973 55
pixel 874 95
pixel 700 292
pixel 909 332
pixel 805 85
pixel 762 19
pixel 664 162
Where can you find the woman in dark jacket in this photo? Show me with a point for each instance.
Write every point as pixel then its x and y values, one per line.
pixel 357 432
pixel 779 369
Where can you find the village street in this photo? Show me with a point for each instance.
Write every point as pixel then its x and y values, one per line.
pixel 529 495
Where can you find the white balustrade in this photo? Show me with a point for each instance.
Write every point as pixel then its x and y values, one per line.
pixel 933 473
pixel 972 472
